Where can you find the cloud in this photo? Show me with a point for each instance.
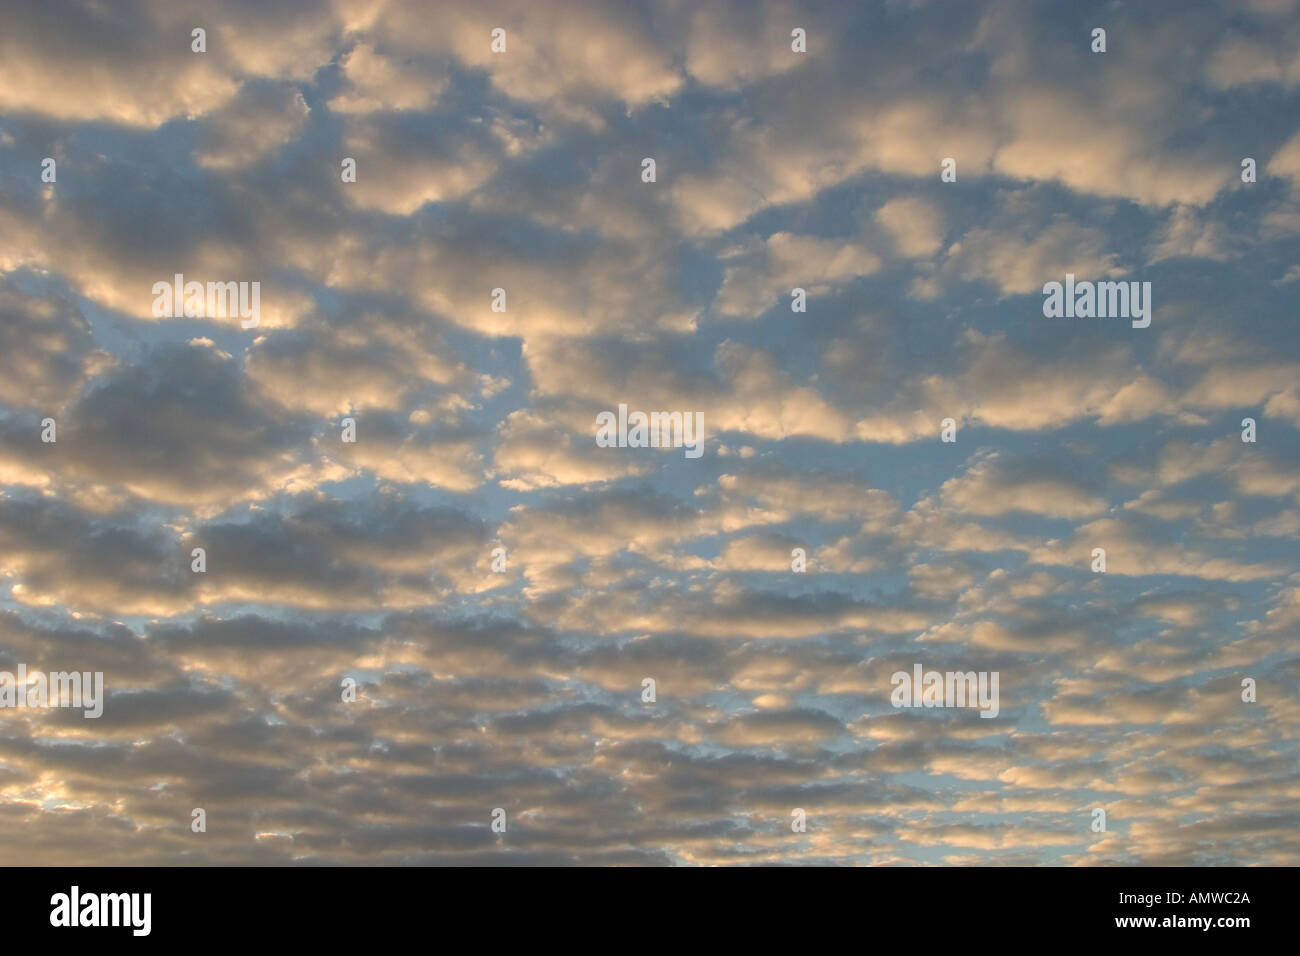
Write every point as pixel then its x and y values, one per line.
pixel 786 262
pixel 994 485
pixel 914 224
pixel 499 591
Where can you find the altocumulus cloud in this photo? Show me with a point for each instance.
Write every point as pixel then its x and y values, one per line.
pixel 360 574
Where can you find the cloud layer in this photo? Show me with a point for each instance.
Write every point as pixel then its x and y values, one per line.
pixel 500 588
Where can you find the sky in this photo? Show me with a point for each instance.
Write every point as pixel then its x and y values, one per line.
pixel 426 604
